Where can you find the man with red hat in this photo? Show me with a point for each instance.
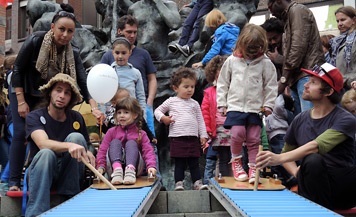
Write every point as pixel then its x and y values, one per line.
pixel 323 139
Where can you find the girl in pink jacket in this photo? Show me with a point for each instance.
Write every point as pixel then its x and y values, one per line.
pixel 214 122
pixel 126 144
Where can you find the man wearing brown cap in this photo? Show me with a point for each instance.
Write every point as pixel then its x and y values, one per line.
pixel 58 139
pixel 323 139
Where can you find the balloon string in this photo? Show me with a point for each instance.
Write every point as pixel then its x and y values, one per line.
pixel 100 132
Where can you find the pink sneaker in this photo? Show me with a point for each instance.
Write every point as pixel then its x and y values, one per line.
pixel 238 170
pixel 252 173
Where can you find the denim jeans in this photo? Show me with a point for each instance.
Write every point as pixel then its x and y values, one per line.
pixel 210 164
pixel 190 31
pixel 50 170
pixel 300 104
pixel 277 143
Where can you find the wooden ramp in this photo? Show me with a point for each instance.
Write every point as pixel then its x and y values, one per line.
pixel 95 202
pixel 266 203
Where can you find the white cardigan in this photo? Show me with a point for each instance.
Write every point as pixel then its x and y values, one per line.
pixel 246 87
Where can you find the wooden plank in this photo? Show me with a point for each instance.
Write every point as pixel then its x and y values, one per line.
pixel 231 183
pixel 141 181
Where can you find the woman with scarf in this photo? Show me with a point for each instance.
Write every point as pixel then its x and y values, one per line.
pixel 42 56
pixel 343 47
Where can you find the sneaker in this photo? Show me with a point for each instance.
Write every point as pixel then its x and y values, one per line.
pixel 130 175
pixel 198 185
pixel 117 176
pixel 238 170
pixel 179 186
pixel 252 173
pixel 173 48
pixel 185 50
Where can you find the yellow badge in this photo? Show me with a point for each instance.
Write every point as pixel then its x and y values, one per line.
pixel 76 125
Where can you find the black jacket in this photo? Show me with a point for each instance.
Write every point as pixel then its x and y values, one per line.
pixel 26 75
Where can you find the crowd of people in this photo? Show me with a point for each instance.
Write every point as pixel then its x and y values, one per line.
pixel 280 85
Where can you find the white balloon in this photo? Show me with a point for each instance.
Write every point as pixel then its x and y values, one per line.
pixel 102 82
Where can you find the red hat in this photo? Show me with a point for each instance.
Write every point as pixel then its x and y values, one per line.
pixel 328 73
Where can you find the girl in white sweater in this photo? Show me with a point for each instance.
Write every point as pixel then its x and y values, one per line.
pixel 247 84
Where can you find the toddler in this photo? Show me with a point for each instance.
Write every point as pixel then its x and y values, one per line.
pixel 186 127
pixel 126 144
pixel 219 136
pixel 246 85
pixel 225 36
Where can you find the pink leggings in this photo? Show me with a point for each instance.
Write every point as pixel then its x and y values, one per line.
pixel 251 135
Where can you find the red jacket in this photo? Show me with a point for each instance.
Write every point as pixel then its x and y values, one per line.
pixel 209 109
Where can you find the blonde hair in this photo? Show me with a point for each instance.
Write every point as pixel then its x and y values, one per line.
pixel 119 91
pixel 348 97
pixel 94 136
pixel 252 34
pixel 8 63
pixel 215 19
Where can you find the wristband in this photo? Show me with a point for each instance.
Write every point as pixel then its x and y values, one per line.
pixel 93 109
pixel 18 93
pixel 21 103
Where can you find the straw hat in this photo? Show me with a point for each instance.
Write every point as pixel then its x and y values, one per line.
pixel 60 77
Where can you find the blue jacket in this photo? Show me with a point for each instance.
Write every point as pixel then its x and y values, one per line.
pixel 224 41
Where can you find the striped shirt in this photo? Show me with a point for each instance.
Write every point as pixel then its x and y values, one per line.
pixel 187 116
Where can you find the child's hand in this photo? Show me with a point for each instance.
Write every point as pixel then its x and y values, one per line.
pixel 267 111
pixel 154 141
pixel 222 111
pixel 203 142
pixel 197 65
pixel 167 120
pixel 210 135
pixel 152 170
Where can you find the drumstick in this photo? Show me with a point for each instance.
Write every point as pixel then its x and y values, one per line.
pixel 98 174
pixel 257 177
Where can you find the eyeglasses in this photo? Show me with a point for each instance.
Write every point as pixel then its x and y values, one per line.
pixel 321 71
pixel 66 14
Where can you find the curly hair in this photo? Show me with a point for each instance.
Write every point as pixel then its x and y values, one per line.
pixel 273 24
pixel 182 72
pixel 214 66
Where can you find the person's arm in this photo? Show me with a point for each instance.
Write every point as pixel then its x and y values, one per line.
pixel 291 168
pixel 267 158
pixel 21 65
pixel 215 48
pixel 206 111
pixel 270 85
pixel 169 12
pixel 161 110
pixel 140 93
pixel 152 88
pixel 223 84
pixel 148 153
pixel 40 138
pixel 107 58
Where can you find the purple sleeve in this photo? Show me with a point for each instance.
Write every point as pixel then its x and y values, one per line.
pixel 148 153
pixel 101 156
